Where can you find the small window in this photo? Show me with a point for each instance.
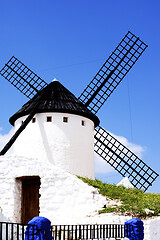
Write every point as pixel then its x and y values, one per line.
pixel 83 123
pixel 49 119
pixel 21 122
pixel 33 120
pixel 65 119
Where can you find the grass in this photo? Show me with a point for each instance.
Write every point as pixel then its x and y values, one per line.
pixel 133 201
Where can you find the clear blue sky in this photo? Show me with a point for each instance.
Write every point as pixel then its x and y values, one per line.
pixel 70 40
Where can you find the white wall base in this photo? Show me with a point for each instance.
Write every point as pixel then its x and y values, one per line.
pixel 65 199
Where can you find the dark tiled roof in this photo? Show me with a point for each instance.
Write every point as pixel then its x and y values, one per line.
pixel 55 98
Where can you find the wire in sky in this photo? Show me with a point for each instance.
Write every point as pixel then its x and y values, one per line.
pixel 130 112
pixel 71 65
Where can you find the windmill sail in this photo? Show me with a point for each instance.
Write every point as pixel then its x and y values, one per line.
pixel 112 72
pixel 93 97
pixel 24 124
pixel 27 82
pixel 123 160
pixel 20 76
pixel 18 132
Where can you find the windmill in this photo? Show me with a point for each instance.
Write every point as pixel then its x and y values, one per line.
pixel 93 97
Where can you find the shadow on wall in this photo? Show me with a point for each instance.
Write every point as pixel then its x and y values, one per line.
pixel 2 217
pixel 44 138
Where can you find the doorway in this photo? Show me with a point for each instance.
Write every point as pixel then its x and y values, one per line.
pixel 29 198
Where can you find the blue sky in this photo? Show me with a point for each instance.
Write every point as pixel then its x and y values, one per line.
pixel 70 40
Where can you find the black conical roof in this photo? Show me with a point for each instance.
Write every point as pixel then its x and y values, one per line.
pixel 55 98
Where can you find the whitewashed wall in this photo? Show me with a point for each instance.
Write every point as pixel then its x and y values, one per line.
pixel 64 198
pixel 2 217
pixel 152 229
pixel 68 145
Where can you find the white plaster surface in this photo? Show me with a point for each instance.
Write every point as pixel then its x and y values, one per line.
pixel 68 145
pixel 65 199
pixel 2 217
pixel 152 229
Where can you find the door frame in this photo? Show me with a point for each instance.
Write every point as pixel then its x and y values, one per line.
pixel 23 180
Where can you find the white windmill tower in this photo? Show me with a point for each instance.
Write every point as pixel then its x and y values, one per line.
pixel 71 143
pixel 61 131
pixel 64 131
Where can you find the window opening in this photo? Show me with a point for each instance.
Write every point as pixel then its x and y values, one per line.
pixel 83 123
pixel 49 119
pixel 33 120
pixel 65 119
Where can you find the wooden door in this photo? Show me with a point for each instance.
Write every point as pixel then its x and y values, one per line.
pixel 30 198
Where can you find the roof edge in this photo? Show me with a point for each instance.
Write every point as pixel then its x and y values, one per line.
pixel 94 118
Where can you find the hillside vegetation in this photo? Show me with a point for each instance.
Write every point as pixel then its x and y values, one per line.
pixel 134 202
